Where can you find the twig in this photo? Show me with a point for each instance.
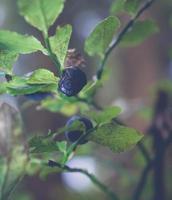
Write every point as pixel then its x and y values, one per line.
pixel 94 180
pixel 5 177
pixel 121 35
pixel 52 55
pixel 75 144
pixel 142 181
pixel 144 151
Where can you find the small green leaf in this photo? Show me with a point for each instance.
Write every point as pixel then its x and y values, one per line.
pixel 60 41
pixel 104 116
pixel 118 138
pixel 131 6
pixel 62 146
pixel 42 76
pixel 140 31
pixel 90 89
pixel 7 59
pixel 19 86
pixel 19 44
pixel 117 6
pixel 39 144
pixel 41 13
pixel 59 105
pixel 100 38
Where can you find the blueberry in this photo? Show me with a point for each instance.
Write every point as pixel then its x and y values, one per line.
pixel 72 81
pixel 38 96
pixel 74 135
pixel 8 77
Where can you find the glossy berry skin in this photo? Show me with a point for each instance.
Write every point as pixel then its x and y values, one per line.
pixel 72 81
pixel 74 135
pixel 38 96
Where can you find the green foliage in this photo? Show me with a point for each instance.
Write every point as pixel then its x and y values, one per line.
pixel 140 32
pixel 131 6
pixel 40 13
pixel 41 144
pixel 117 6
pixel 60 41
pixel 42 76
pixel 14 170
pixel 104 116
pixel 7 58
pixel 62 146
pixel 41 80
pixel 100 38
pixel 3 88
pixel 19 44
pixel 58 104
pixel 128 6
pixel 116 137
pixel 19 86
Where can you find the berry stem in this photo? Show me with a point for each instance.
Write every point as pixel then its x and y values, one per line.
pixel 75 144
pixel 52 55
pixel 93 179
pixel 120 36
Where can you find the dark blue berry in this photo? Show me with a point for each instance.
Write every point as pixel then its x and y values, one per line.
pixel 74 135
pixel 38 96
pixel 72 81
pixel 8 77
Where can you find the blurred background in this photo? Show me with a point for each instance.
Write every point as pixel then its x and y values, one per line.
pixel 134 72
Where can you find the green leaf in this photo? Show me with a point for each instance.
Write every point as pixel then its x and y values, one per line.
pixel 104 116
pixel 39 144
pixel 100 38
pixel 42 76
pixel 90 89
pixel 140 31
pixel 118 138
pixel 117 6
pixel 131 6
pixel 19 44
pixel 60 41
pixel 7 59
pixel 59 105
pixel 19 86
pixel 62 146
pixel 41 13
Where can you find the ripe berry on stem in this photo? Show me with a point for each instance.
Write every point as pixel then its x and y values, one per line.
pixel 74 135
pixel 72 81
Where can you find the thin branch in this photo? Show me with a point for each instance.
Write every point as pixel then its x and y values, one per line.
pixel 5 177
pixel 52 55
pixel 144 151
pixel 75 144
pixel 93 179
pixel 121 35
pixel 142 182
